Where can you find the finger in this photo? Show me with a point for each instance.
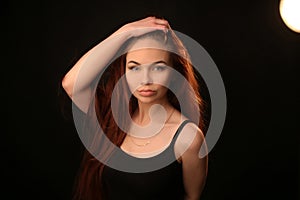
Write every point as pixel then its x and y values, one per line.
pixel 162 27
pixel 161 21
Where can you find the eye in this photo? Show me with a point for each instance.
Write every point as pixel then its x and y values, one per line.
pixel 159 68
pixel 134 68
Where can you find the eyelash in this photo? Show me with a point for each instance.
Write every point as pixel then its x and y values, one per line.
pixel 160 68
pixel 135 68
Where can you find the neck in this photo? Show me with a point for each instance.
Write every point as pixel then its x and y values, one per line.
pixel 142 116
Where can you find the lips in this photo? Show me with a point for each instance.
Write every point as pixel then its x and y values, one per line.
pixel 146 92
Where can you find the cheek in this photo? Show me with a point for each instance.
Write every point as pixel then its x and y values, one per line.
pixel 163 90
pixel 163 78
pixel 132 81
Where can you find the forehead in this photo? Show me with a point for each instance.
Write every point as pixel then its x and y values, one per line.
pixel 147 51
pixel 144 56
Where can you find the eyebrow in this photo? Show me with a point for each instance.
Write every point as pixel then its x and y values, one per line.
pixel 157 62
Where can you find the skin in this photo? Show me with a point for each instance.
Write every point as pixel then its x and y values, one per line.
pixel 148 69
pixel 93 62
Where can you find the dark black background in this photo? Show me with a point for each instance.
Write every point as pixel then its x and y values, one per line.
pixel 257 154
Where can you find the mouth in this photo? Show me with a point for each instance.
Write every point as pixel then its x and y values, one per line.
pixel 146 92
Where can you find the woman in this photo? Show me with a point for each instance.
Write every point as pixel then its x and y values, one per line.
pixel 137 81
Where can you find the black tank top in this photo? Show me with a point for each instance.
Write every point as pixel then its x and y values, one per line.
pixel 160 184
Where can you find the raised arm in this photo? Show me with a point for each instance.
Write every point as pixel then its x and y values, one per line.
pixel 77 82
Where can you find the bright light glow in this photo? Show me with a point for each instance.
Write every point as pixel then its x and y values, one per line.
pixel 290 13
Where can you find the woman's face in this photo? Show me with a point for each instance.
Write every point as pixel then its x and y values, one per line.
pixel 148 73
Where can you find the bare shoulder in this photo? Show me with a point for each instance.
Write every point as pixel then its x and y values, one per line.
pixel 189 140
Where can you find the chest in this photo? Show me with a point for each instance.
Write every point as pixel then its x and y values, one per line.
pixel 148 147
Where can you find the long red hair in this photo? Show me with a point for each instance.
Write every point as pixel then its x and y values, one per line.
pixel 88 184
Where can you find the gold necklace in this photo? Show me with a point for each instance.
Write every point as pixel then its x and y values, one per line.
pixel 149 141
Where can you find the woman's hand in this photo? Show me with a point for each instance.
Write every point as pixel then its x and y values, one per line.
pixel 144 26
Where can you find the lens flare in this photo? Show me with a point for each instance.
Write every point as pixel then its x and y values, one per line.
pixel 290 14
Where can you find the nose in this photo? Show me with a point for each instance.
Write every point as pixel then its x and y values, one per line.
pixel 147 78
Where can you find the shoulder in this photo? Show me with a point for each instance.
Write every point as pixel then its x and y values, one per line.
pixel 190 140
pixel 191 135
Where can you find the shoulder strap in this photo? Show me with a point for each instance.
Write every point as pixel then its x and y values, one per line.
pixel 180 128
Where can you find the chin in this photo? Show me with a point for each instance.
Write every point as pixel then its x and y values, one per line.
pixel 147 100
